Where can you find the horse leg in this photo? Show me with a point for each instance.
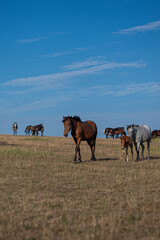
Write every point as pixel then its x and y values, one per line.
pixel 132 152
pixel 93 150
pixel 137 145
pixel 75 157
pixel 148 147
pixel 77 149
pixel 142 154
pixel 79 159
pixel 127 154
pixel 92 147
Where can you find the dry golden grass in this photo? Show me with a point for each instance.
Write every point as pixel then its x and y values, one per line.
pixel 43 195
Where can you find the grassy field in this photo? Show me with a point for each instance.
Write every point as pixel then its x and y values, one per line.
pixel 43 195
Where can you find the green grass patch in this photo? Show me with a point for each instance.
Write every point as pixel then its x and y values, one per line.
pixel 37 139
pixel 14 152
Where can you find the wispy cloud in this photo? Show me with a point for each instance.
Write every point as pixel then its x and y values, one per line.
pixel 99 63
pixel 37 105
pixel 88 67
pixel 152 26
pixel 87 63
pixel 85 48
pixel 29 40
pixel 139 88
pixel 128 89
pixel 70 51
pixel 37 39
pixel 58 54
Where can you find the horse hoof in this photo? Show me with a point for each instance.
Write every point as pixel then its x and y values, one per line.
pixel 79 161
pixel 74 161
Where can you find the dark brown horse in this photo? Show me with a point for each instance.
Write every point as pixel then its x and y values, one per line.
pixel 114 132
pixel 81 131
pixel 155 133
pixel 34 129
pixel 125 143
pixel 117 131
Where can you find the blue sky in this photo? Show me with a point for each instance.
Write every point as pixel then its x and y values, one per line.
pixel 96 59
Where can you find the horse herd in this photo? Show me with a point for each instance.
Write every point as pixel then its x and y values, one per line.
pixel 87 131
pixel 32 130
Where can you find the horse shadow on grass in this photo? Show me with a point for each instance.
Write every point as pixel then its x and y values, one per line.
pixel 8 144
pixel 146 159
pixel 106 159
pixel 153 158
pixel 101 159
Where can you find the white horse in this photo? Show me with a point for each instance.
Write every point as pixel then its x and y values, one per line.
pixel 139 135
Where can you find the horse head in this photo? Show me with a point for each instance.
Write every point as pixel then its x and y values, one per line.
pixel 67 125
pixel 130 129
pixel 123 142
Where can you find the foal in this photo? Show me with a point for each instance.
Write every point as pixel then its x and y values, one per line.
pixel 125 142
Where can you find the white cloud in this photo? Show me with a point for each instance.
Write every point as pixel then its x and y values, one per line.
pixel 29 40
pixel 54 55
pixel 37 105
pixel 70 51
pixel 87 63
pixel 152 26
pixel 83 68
pixel 128 89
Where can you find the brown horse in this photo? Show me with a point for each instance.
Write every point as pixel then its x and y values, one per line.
pixel 155 133
pixel 114 132
pixel 117 131
pixel 34 129
pixel 125 143
pixel 81 131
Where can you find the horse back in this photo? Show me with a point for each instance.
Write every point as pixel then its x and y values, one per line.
pixel 89 130
pixel 143 133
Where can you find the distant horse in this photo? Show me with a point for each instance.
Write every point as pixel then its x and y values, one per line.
pixel 34 129
pixel 15 128
pixel 81 131
pixel 27 130
pixel 155 133
pixel 139 135
pixel 125 143
pixel 114 132
pixel 117 131
pixel 42 131
pixel 107 132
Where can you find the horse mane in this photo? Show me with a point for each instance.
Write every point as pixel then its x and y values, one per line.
pixel 132 125
pixel 39 125
pixel 77 118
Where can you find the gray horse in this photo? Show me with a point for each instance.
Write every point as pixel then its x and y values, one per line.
pixel 139 135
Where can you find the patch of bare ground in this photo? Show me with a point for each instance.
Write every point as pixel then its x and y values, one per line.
pixel 43 195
